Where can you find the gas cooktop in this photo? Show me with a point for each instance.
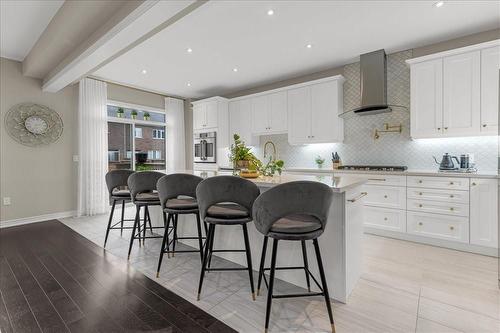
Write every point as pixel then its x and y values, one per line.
pixel 374 167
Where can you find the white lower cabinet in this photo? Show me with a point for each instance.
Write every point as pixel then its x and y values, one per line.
pixel 439 207
pixel 484 212
pixel 447 227
pixel 384 218
pixel 385 196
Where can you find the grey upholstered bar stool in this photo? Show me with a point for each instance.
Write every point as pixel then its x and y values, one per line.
pixel 116 180
pixel 295 211
pixel 177 197
pixel 143 193
pixel 226 201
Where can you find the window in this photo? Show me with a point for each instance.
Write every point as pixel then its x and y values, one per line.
pixel 136 143
pixel 158 134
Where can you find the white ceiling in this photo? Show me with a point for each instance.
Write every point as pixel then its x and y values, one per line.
pixel 229 34
pixel 22 23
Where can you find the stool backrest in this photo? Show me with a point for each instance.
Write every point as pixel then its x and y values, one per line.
pixel 117 178
pixel 176 184
pixel 143 181
pixel 220 189
pixel 299 197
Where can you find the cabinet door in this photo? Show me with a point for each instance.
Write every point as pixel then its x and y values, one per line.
pixel 299 115
pixel 325 109
pixel 278 119
pixel 490 63
pixel 211 114
pixel 199 116
pixel 260 120
pixel 484 212
pixel 461 94
pixel 239 118
pixel 426 99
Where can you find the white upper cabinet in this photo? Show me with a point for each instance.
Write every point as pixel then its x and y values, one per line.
pixel 455 93
pixel 461 93
pixel 210 114
pixel 484 212
pixel 240 117
pixel 269 113
pixel 198 116
pixel 490 64
pixel 426 99
pixel 313 113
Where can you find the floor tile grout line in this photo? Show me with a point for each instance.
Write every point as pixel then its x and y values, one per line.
pixel 418 308
pixel 463 309
pixel 24 296
pixel 9 317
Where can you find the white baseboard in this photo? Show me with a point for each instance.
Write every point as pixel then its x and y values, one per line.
pixel 34 219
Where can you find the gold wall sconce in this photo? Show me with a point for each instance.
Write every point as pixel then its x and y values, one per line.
pixel 388 129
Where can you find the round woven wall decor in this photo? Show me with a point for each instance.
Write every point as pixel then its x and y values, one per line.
pixel 33 124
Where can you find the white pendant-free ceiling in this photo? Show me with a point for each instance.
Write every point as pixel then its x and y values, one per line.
pixel 226 46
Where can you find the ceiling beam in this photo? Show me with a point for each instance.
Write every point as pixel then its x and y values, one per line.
pixel 131 25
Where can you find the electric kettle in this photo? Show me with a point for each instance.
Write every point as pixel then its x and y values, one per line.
pixel 447 162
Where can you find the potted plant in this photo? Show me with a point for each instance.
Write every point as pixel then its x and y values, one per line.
pixel 133 114
pixel 147 116
pixel 272 167
pixel 242 157
pixel 319 161
pixel 120 112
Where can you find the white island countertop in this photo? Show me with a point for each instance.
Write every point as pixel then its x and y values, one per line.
pixel 338 184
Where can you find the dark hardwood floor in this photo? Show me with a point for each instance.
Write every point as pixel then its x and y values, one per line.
pixel 54 280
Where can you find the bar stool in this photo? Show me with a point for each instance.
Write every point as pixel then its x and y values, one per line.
pixel 178 196
pixel 143 193
pixel 115 181
pixel 226 201
pixel 295 211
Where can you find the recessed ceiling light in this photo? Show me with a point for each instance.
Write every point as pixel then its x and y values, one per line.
pixel 439 4
pixel 235 69
pixel 144 71
pixel 270 12
pixel 189 84
pixel 189 50
pixel 309 46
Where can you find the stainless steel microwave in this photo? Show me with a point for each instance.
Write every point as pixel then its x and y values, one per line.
pixel 205 148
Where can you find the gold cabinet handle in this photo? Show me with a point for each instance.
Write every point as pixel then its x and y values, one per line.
pixel 420 193
pixel 452 183
pixel 420 223
pixel 452 196
pixel 452 209
pixel 420 205
pixel 473 184
pixel 420 181
pixel 385 196
pixel 377 179
pixel 452 228
pixel 446 128
pixel 359 197
pixel 385 218
pixel 439 128
pixel 484 125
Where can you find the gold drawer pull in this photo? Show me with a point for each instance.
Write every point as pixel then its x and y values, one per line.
pixel 452 196
pixel 420 223
pixel 377 179
pixel 420 205
pixel 452 209
pixel 452 228
pixel 385 196
pixel 385 218
pixel 474 184
pixel 420 193
pixel 420 181
pixel 359 197
pixel 451 183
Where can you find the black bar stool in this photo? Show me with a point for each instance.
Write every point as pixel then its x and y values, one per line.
pixel 295 211
pixel 223 201
pixel 178 196
pixel 116 181
pixel 143 193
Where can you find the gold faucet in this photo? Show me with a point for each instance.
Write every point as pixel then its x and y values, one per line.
pixel 274 150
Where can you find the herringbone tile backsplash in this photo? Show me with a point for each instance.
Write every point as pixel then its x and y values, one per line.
pixel 359 147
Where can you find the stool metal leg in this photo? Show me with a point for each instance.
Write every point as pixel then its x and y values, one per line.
pixel 210 239
pixel 210 252
pixel 249 259
pixel 200 241
pixel 149 219
pixel 323 282
pixel 169 217
pixel 136 221
pixel 144 226
pixel 271 284
pixel 175 219
pixel 109 222
pixel 306 264
pixel 262 263
pixel 162 249
pixel 123 217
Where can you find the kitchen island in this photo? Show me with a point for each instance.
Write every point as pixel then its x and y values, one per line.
pixel 341 243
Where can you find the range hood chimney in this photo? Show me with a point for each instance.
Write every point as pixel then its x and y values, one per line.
pixel 373 72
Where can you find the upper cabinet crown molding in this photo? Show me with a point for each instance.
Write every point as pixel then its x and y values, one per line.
pixel 448 53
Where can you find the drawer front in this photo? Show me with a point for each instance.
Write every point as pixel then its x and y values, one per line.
pixel 384 218
pixel 385 196
pixel 448 183
pixel 439 207
pixel 453 228
pixel 377 179
pixel 451 196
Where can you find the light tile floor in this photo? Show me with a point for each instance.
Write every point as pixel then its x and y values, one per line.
pixel 405 287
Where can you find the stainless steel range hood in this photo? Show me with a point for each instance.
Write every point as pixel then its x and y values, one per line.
pixel 373 84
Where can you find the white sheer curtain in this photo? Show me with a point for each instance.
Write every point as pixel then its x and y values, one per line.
pixel 176 146
pixel 92 148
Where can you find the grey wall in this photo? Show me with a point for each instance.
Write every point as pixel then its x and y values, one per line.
pixel 38 180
